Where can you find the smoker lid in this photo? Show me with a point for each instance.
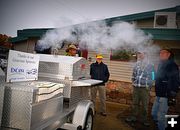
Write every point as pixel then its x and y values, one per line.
pixel 58 58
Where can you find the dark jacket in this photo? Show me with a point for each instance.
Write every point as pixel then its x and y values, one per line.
pixel 167 79
pixel 99 72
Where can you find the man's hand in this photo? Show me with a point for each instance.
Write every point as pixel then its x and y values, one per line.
pixel 172 99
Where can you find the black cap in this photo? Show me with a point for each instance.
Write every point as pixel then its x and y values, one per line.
pixel 167 49
pixel 170 51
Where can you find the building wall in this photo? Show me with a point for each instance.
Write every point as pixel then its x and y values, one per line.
pixel 31 45
pixel 171 44
pixel 178 21
pixel 120 71
pixel 26 46
pixel 149 23
pixel 146 23
pixel 174 45
pixel 21 46
pixel 63 50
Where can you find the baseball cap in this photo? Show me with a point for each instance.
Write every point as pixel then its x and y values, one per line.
pixel 99 56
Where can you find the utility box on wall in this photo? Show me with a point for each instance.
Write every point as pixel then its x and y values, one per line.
pixel 165 20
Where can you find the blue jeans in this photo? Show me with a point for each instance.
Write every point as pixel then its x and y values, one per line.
pixel 159 110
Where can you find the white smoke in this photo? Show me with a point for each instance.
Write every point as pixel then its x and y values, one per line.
pixel 55 38
pixel 98 36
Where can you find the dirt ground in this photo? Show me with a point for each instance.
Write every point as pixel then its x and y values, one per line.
pixel 115 119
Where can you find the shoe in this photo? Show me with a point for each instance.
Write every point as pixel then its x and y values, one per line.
pixel 130 119
pixel 155 122
pixel 132 124
pixel 156 125
pixel 147 124
pixel 103 114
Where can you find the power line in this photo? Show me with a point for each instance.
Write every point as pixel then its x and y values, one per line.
pixel 72 9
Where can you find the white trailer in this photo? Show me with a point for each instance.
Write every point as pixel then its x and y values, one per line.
pixel 2 81
pixel 58 99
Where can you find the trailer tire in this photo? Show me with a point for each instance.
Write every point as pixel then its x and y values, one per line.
pixel 89 120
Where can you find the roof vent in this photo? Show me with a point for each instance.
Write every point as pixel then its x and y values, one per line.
pixel 165 20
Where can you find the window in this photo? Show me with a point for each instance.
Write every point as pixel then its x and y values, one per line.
pixel 38 49
pixel 123 55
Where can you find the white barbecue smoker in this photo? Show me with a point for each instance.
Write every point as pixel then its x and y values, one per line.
pixel 46 92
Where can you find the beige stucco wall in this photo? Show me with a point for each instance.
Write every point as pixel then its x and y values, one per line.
pixel 146 23
pixel 31 44
pixel 119 70
pixel 174 45
pixel 149 23
pixel 171 44
pixel 178 21
pixel 26 46
pixel 21 46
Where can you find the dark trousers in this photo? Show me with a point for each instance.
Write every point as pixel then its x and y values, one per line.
pixel 140 95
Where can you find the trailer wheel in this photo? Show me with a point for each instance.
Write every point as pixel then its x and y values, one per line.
pixel 89 120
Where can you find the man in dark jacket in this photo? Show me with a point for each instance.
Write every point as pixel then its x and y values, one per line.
pixel 166 86
pixel 99 71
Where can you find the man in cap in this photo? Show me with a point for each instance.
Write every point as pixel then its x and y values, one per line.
pixel 142 82
pixel 99 71
pixel 166 87
pixel 71 50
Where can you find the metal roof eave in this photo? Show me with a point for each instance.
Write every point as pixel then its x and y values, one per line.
pixel 158 34
pixel 143 15
pixel 163 34
pixel 17 39
pixel 32 32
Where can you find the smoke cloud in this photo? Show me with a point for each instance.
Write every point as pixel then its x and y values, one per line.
pixel 98 36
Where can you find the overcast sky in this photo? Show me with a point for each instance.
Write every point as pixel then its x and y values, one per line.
pixel 24 14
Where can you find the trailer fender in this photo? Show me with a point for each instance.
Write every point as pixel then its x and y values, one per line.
pixel 81 112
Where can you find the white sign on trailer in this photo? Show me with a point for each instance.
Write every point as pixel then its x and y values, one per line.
pixel 22 66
